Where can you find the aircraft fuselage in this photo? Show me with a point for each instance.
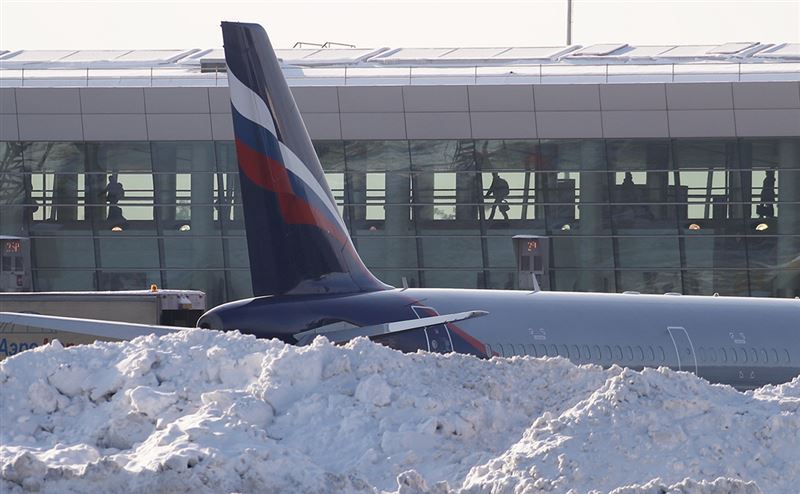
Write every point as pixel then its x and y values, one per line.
pixel 746 343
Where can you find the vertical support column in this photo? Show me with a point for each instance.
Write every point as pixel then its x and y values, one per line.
pixel 12 190
pixel 202 217
pixel 787 283
pixel 398 220
pixel 594 192
pixel 657 179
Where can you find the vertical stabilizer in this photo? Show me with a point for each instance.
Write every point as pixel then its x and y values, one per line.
pixel 296 239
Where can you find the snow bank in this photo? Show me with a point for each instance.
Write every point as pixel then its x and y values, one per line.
pixel 203 411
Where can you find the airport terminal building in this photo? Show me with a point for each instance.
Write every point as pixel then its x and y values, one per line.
pixel 644 168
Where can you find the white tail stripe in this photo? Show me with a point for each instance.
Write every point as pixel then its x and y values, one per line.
pixel 249 104
pixel 252 107
pixel 298 168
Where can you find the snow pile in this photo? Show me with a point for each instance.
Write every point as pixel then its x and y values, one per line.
pixel 203 411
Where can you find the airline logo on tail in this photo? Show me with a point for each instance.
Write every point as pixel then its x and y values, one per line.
pixel 296 239
pixel 271 165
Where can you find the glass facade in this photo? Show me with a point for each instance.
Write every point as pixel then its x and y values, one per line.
pixel 696 216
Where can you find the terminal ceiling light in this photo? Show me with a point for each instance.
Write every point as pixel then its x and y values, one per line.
pixel 761 227
pixel 694 226
pixel 566 228
pixel 184 228
pixel 116 228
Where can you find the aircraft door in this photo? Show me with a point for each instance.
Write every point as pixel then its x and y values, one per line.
pixel 684 349
pixel 438 337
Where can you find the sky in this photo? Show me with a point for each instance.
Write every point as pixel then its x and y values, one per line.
pixel 123 24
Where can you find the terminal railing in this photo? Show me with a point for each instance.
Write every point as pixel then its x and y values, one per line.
pixel 405 76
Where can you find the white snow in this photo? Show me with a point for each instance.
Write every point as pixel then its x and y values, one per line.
pixel 204 411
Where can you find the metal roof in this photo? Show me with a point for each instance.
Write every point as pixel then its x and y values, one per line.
pixel 737 52
pixel 609 62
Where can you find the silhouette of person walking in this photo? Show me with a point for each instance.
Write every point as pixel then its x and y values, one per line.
pixel 114 191
pixel 767 209
pixel 499 190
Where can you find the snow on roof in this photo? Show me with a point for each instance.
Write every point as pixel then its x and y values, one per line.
pixel 222 412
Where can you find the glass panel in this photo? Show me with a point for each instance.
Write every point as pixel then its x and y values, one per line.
pixel 388 252
pixel 500 252
pixel 716 180
pixel 650 281
pixel 121 172
pixel 185 186
pixel 703 250
pixel 128 279
pixel 236 252
pixel 331 155
pixel 445 182
pixel 126 249
pixel 444 252
pixel 58 183
pixel 364 156
pixel 15 191
pixel 63 252
pixel 53 280
pixel 453 279
pixel 239 284
pixel 594 252
pixel 502 280
pixel 586 280
pixel 186 250
pixel 775 283
pixel 648 252
pixel 643 189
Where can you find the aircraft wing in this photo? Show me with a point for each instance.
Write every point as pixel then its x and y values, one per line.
pixel 91 327
pixel 341 335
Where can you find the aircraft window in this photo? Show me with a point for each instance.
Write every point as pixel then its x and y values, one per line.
pixel 775 358
pixel 530 350
pixel 500 350
pixel 585 354
pixel 511 350
pixel 732 355
pixel 564 351
pixel 651 354
pixel 596 353
pixel 640 354
pixel 764 357
pixel 712 354
pixel 552 351
pixel 742 354
pixel 787 357
pixel 489 350
pixel 618 353
pixel 662 355
pixel 541 350
pixel 753 355
pixel 575 354
pixel 628 353
pixel 607 353
pixel 723 355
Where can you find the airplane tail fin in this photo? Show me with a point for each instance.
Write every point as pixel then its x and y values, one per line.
pixel 296 239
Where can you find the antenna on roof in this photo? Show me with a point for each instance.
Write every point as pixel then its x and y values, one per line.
pixel 569 22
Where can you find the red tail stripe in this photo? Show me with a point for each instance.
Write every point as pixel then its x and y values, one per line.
pixel 271 175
